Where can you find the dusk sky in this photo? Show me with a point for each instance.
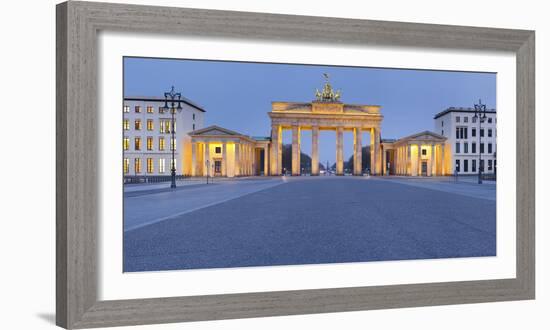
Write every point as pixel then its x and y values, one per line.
pixel 238 95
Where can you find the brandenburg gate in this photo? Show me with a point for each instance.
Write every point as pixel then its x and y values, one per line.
pixel 325 113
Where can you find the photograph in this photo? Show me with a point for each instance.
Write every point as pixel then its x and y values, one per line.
pixel 247 164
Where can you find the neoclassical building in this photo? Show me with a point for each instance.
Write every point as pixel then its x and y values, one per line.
pixel 222 152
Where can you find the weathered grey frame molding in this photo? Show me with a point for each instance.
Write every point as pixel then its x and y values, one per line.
pixel 77 192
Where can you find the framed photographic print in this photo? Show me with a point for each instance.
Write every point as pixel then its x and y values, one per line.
pixel 278 165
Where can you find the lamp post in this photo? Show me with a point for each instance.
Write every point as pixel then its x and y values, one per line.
pixel 480 115
pixel 172 98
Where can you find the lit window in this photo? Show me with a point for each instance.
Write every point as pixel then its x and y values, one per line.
pixel 161 109
pixel 137 165
pixel 150 167
pixel 126 165
pixel 150 125
pixel 162 168
pixel 137 109
pixel 172 144
pixel 162 143
pixel 150 109
pixel 126 108
pixel 126 124
pixel 137 143
pixel 137 124
pixel 126 143
pixel 149 143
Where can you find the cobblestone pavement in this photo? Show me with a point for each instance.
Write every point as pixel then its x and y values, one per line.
pixel 311 220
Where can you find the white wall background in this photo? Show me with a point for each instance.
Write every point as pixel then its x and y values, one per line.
pixel 27 207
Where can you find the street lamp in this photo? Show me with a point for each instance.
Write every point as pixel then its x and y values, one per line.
pixel 172 98
pixel 480 115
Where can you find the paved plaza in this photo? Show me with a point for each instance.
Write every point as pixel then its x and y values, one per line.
pixel 306 220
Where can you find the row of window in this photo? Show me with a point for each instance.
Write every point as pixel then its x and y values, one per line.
pixel 490 164
pixel 164 127
pixel 462 132
pixel 465 119
pixel 150 163
pixel 150 143
pixel 150 109
pixel 474 149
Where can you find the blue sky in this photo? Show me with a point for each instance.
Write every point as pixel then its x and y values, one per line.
pixel 238 95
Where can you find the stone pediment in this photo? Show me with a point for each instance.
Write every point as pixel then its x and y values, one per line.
pixel 214 131
pixel 426 135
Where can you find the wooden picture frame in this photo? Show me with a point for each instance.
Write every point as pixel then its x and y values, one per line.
pixel 78 24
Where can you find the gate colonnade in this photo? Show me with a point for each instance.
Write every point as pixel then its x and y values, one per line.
pixel 325 115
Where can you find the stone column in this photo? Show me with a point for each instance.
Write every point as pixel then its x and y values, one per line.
pixel 408 163
pixel 266 160
pixel 358 151
pixel 193 158
pixel 275 142
pixel 224 159
pixel 207 159
pixel 340 151
pixel 315 150
pixel 419 160
pixel 384 165
pixel 237 165
pixel 295 150
pixel 377 154
pixel 431 170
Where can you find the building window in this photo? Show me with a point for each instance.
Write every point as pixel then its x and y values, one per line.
pixel 162 168
pixel 137 165
pixel 162 143
pixel 465 147
pixel 489 120
pixel 126 108
pixel 462 132
pixel 150 109
pixel 172 144
pixel 150 167
pixel 150 124
pixel 457 119
pixel 473 132
pixel 489 165
pixel 149 143
pixel 458 133
pixel 218 150
pixel 489 132
pixel 482 165
pixel 137 124
pixel 457 165
pixel 137 143
pixel 465 119
pixel 137 109
pixel 482 148
pixel 193 127
pixel 126 124
pixel 489 148
pixel 126 165
pixel 474 119
pixel 165 126
pixel 473 165
pixel 465 165
pixel 465 129
pixel 474 147
pixel 482 132
pixel 126 143
pixel 442 133
pixel 193 116
pixel 161 109
pixel 457 148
